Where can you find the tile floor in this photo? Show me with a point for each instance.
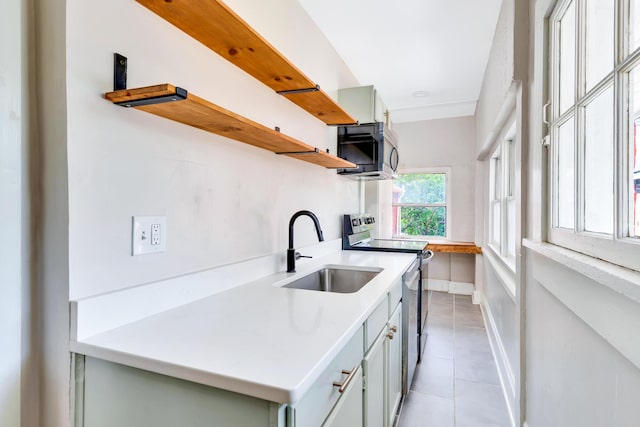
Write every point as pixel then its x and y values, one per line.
pixel 457 383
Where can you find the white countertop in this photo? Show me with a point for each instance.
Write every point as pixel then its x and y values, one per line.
pixel 256 339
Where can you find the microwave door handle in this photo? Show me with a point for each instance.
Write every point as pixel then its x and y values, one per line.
pixel 397 157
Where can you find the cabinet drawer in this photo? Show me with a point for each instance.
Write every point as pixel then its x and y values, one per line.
pixel 313 408
pixel 375 322
pixel 348 410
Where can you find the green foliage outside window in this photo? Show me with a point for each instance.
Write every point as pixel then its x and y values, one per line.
pixel 423 221
pixel 421 189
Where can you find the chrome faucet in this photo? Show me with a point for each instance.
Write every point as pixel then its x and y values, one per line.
pixel 292 255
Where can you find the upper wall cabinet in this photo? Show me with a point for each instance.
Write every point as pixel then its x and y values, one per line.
pixel 364 103
pixel 216 26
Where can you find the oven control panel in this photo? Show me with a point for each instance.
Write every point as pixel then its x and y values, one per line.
pixel 358 223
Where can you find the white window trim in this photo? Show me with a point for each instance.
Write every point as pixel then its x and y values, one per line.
pixel 447 230
pixel 616 249
pixel 507 135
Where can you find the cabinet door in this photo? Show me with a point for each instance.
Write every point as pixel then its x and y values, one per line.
pixel 394 364
pixel 379 109
pixel 348 410
pixel 374 385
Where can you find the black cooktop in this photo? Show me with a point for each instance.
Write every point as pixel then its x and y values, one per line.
pixel 357 236
pixel 392 245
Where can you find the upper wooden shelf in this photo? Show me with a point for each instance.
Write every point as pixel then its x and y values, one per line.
pixel 177 104
pixel 212 23
pixel 455 247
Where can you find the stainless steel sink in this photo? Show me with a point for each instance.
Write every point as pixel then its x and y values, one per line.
pixel 339 279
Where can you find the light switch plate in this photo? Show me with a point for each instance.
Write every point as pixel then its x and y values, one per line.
pixel 148 234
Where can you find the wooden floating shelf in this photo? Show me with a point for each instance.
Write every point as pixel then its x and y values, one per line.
pixel 455 247
pixel 212 23
pixel 177 104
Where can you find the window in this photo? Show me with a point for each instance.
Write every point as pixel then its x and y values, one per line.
pixel 595 111
pixel 420 204
pixel 502 199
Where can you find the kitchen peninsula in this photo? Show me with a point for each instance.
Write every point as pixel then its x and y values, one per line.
pixel 257 345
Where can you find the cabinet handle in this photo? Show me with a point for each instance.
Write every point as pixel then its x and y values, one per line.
pixel 394 329
pixel 342 386
pixel 390 335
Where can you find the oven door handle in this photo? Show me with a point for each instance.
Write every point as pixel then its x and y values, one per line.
pixel 427 256
pixel 413 278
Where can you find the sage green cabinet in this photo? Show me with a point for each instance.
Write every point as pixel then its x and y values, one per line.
pixel 313 408
pixel 364 103
pixel 348 410
pixel 373 366
pixel 394 364
pixel 111 394
pixel 382 364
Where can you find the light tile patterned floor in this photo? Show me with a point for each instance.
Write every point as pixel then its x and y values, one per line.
pixel 456 384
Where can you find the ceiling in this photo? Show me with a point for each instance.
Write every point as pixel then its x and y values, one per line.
pixel 426 58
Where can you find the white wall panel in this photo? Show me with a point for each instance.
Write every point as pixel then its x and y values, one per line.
pixel 12 122
pixel 574 376
pixel 224 201
pixel 445 143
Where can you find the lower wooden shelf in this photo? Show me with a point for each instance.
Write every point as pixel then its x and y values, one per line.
pixel 455 247
pixel 174 103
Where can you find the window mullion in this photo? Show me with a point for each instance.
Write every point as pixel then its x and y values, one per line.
pixel 579 110
pixel 579 168
pixel 554 176
pixel 621 26
pixel 503 198
pixel 581 50
pixel 622 159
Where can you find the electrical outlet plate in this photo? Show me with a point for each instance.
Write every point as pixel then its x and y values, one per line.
pixel 148 235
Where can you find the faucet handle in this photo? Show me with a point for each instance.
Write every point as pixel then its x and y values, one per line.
pixel 298 256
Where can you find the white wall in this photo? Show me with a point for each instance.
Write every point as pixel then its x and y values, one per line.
pixel 499 307
pixel 496 108
pixel 224 201
pixel 576 374
pixel 12 163
pixel 582 353
pixel 446 143
pixel 497 77
pixel 49 169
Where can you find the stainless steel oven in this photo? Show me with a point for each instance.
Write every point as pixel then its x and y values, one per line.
pixel 357 236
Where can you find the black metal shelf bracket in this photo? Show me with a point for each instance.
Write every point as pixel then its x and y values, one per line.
pixel 119 72
pixel 315 151
pixel 120 83
pixel 179 95
pixel 295 91
pixel 344 124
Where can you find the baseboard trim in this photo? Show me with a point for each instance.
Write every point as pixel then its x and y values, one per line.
pixel 437 285
pixel 476 298
pixel 505 373
pixel 459 288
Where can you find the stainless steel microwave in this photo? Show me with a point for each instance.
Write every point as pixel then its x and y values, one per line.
pixel 372 147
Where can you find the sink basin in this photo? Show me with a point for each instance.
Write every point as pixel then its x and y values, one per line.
pixel 339 279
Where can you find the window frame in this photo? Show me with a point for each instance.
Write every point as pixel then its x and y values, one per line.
pixel 618 248
pixel 447 205
pixel 504 149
